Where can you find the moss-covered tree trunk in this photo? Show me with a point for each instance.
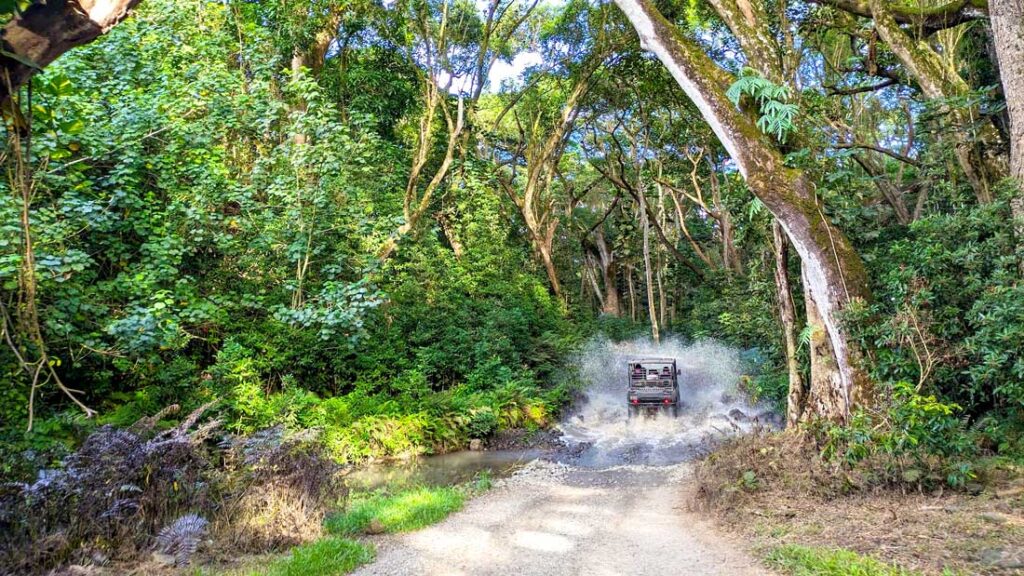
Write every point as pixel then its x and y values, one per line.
pixel 751 26
pixel 40 34
pixel 835 275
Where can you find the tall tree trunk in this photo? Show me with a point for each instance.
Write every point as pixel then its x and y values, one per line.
pixel 730 257
pixel 632 293
pixel 299 106
pixel 652 313
pixel 824 394
pixel 609 275
pixel 44 31
pixel 542 157
pixel 787 315
pixel 835 275
pixel 544 247
pixel 1008 33
pixel 1007 18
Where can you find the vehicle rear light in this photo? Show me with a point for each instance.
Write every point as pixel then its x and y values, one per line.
pixel 668 400
pixel 635 400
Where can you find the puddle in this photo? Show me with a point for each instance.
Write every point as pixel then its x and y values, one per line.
pixel 440 470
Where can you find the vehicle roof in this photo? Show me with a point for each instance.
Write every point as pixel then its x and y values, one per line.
pixel 652 360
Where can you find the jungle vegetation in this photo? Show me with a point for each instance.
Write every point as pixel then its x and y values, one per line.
pixel 349 217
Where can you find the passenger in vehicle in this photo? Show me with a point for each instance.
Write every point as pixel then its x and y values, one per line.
pixel 652 374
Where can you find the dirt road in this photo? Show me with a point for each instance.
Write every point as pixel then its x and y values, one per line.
pixel 552 519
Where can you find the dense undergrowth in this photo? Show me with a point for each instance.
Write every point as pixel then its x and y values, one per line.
pixel 193 222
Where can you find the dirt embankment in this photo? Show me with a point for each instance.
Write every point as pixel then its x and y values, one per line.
pixel 771 491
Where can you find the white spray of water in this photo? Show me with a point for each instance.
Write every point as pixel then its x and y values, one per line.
pixel 713 407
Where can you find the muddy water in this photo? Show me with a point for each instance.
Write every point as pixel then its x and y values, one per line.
pixel 597 433
pixel 440 470
pixel 713 406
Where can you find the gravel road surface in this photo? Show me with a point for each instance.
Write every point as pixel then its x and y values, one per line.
pixel 556 519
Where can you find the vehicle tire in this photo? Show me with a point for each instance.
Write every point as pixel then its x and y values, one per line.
pixel 675 410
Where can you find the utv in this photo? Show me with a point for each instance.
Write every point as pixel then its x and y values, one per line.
pixel 653 386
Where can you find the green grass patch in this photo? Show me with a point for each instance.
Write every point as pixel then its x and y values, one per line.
pixel 399 512
pixel 330 556
pixel 809 561
pixel 327 557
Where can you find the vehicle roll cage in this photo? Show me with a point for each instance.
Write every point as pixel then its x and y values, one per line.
pixel 646 365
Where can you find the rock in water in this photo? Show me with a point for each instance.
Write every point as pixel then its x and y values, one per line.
pixel 738 415
pixel 476 445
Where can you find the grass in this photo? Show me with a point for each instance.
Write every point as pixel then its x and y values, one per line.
pixel 810 561
pixel 330 556
pixel 327 557
pixel 399 512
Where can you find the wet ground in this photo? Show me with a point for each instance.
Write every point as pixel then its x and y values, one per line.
pixel 552 519
pixel 597 433
pixel 605 497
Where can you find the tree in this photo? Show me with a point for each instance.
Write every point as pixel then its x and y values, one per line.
pixel 977 141
pixel 834 273
pixel 1008 33
pixel 41 33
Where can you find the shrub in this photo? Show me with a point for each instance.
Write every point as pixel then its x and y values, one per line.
pixel 278 490
pixel 482 423
pixel 917 440
pixel 111 497
pixel 125 486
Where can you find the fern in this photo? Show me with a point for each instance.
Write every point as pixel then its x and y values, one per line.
pixel 181 539
pixel 776 114
pixel 805 336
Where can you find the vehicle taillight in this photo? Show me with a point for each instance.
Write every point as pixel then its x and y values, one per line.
pixel 668 400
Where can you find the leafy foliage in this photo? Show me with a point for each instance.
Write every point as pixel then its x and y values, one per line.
pixel 777 114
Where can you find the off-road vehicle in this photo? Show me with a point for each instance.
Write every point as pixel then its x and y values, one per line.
pixel 653 386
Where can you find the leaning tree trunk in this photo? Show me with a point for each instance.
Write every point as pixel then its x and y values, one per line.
pixel 835 275
pixel 977 143
pixel 43 32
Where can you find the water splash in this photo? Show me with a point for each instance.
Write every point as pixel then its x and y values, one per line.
pixel 713 406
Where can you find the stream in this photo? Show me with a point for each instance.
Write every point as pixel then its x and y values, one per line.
pixel 596 433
